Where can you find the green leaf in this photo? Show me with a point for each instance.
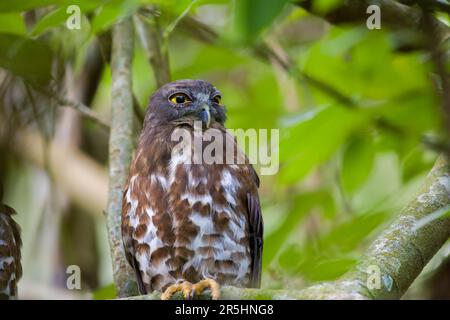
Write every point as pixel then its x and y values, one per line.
pixel 252 16
pixel 12 23
pixel 52 19
pixel 301 206
pixel 332 253
pixel 346 236
pixel 291 257
pixel 416 162
pixel 59 16
pixel 104 293
pixel 111 12
pixel 349 60
pixel 415 112
pixel 324 6
pixel 316 136
pixel 24 5
pixel 327 269
pixel 357 161
pixel 30 59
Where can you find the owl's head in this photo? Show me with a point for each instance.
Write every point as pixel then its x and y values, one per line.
pixel 184 101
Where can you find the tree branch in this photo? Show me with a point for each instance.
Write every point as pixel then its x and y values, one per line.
pixel 120 149
pixel 393 14
pixel 105 43
pixel 399 253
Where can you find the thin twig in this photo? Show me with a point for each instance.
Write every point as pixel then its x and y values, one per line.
pixel 150 35
pixel 120 149
pixel 80 107
pixel 104 40
pixel 175 23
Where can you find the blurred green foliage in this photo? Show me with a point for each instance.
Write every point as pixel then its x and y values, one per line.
pixel 345 168
pixel 253 16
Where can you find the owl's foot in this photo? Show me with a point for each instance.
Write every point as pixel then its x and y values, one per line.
pixel 189 290
pixel 200 286
pixel 185 287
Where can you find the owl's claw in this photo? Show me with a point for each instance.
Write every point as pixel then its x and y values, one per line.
pixel 189 290
pixel 185 287
pixel 200 286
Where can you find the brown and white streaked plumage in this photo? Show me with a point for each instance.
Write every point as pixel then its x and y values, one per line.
pixel 10 243
pixel 183 223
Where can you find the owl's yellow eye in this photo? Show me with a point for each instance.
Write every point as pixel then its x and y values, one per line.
pixel 217 99
pixel 179 98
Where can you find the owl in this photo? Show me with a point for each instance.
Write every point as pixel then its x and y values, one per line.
pixel 10 244
pixel 189 226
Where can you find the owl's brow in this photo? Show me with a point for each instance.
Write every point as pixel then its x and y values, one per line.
pixel 176 90
pixel 157 125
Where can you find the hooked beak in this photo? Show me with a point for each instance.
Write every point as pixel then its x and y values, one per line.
pixel 205 115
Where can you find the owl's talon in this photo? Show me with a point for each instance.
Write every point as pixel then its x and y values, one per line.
pixel 189 295
pixel 188 291
pixel 200 286
pixel 185 287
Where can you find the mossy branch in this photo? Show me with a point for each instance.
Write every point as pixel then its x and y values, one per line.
pixel 392 262
pixel 120 149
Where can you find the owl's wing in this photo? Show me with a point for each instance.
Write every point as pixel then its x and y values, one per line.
pixel 10 244
pixel 255 233
pixel 128 241
pixel 255 220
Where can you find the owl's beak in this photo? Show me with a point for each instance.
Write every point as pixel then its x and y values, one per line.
pixel 205 115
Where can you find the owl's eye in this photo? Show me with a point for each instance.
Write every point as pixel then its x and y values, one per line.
pixel 179 98
pixel 217 99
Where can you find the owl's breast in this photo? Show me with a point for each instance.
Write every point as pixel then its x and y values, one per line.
pixel 189 222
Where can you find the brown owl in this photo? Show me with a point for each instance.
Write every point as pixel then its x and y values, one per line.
pixel 188 226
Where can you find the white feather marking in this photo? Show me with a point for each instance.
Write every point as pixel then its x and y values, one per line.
pixel 134 221
pixel 159 178
pixel 193 198
pixel 196 181
pixel 176 160
pixel 6 261
pixel 203 97
pixel 204 222
pixel 230 184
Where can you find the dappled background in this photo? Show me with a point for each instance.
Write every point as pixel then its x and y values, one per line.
pixel 359 112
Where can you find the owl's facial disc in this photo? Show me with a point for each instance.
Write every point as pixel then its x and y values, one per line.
pixel 191 109
pixel 206 104
pixel 196 106
pixel 183 102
